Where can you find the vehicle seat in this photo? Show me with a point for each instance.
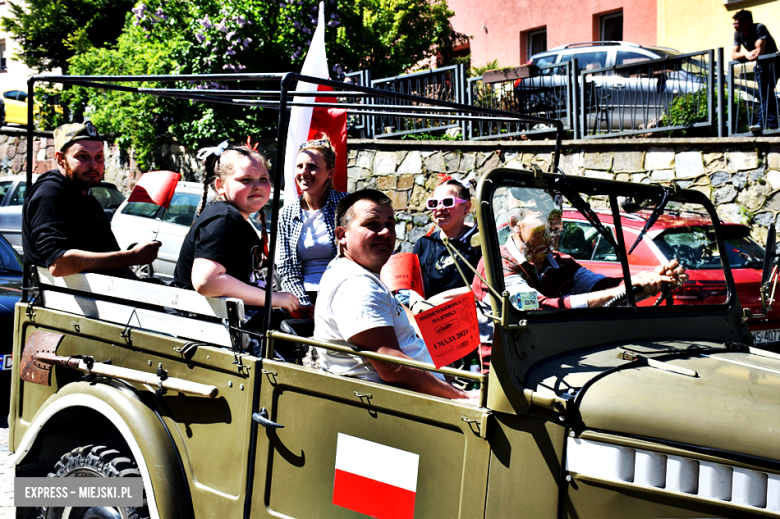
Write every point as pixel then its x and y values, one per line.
pixel 294 351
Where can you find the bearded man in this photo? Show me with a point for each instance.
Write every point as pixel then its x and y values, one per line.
pixel 64 227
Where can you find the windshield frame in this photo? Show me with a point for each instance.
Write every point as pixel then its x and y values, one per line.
pixel 507 177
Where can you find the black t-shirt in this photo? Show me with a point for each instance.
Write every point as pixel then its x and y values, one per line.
pixel 437 265
pixel 757 32
pixel 221 234
pixel 57 217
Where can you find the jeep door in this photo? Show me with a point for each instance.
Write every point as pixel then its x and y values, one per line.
pixel 350 447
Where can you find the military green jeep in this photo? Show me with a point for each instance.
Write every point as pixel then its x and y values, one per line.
pixel 640 408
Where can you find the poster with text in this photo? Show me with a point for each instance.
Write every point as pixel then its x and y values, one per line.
pixel 450 330
pixel 402 270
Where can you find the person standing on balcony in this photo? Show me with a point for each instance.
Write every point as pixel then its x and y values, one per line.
pixel 752 40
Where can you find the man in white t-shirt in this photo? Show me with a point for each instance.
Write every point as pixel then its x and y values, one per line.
pixel 355 308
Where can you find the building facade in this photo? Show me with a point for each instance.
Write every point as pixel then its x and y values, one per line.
pixel 510 31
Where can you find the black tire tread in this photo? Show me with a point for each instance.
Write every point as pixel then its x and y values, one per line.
pixel 106 462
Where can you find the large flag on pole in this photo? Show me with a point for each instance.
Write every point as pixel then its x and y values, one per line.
pixel 331 122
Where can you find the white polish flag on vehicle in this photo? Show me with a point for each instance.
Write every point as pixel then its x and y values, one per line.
pixel 374 479
pixel 313 123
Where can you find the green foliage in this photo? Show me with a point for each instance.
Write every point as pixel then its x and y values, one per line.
pixel 429 136
pixel 688 109
pixel 42 26
pixel 231 36
pixel 478 71
pixel 48 108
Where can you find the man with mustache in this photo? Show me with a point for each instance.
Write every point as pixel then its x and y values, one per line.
pixel 355 308
pixel 64 227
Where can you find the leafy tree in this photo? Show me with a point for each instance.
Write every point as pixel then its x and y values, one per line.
pixel 45 29
pixel 232 36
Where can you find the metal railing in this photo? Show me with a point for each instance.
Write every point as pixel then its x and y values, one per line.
pixel 443 84
pixel 359 123
pixel 649 96
pixel 752 94
pixel 548 95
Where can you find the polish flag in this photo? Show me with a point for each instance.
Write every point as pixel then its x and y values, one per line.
pixel 155 187
pixel 306 123
pixel 374 479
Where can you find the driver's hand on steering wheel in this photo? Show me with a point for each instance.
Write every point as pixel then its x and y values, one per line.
pixel 673 271
pixel 651 282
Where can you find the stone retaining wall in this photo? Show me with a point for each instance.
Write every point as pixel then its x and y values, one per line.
pixel 740 175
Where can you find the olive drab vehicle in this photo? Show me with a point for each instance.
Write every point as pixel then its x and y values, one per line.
pixel 642 408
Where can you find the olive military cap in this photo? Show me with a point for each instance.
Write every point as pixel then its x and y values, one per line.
pixel 68 133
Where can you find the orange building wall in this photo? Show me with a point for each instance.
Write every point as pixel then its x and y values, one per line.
pixel 495 26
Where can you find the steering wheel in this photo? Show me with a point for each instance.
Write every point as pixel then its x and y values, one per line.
pixel 622 297
pixel 665 294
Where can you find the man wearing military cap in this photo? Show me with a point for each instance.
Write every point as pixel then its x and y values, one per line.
pixel 63 227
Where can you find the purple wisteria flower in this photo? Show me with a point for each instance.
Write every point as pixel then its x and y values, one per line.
pixel 297 24
pixel 230 35
pixel 205 22
pixel 230 53
pixel 247 42
pixel 161 14
pixel 241 21
pixel 200 37
pixel 222 27
pixel 306 30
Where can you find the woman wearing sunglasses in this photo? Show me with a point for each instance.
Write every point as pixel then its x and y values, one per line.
pixel 449 206
pixel 307 225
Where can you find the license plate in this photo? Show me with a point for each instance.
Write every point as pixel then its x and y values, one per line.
pixel 766 336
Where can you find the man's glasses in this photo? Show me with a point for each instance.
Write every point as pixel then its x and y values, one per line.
pixel 447 202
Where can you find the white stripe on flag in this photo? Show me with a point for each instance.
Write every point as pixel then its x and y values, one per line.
pixel 315 65
pixel 376 461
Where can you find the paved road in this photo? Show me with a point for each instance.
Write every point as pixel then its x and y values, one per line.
pixel 6 478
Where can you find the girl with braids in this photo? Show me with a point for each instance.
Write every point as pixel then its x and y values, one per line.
pixel 307 241
pixel 222 254
pixel 449 205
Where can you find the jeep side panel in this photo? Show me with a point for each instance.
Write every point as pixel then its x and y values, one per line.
pixel 315 408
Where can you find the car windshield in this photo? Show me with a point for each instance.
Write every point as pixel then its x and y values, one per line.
pixel 561 249
pixel 107 196
pixel 182 208
pixel 697 248
pixel 142 209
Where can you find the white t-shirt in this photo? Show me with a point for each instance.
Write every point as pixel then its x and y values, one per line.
pixel 314 248
pixel 351 300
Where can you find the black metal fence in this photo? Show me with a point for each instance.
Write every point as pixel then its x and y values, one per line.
pixel 548 95
pixel 358 123
pixel 648 96
pixel 684 91
pixel 752 96
pixel 443 84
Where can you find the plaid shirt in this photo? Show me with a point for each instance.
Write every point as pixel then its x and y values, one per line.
pixel 290 226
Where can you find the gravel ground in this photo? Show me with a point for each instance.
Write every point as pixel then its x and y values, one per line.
pixel 6 478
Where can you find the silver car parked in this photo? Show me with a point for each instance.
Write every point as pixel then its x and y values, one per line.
pixel 12 191
pixel 137 222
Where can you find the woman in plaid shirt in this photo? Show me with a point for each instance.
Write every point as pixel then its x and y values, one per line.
pixel 307 226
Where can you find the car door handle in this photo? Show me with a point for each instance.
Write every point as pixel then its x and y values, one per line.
pixel 262 419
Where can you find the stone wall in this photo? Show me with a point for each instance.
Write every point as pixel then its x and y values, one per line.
pixel 740 175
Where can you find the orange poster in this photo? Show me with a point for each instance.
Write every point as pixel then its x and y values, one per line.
pixel 450 330
pixel 402 270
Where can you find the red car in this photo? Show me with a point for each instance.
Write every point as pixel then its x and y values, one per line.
pixel 690 238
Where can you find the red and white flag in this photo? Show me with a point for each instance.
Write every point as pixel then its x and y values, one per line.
pixel 155 187
pixel 374 479
pixel 306 123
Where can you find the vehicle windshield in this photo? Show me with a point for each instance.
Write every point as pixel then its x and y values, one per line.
pixel 560 246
